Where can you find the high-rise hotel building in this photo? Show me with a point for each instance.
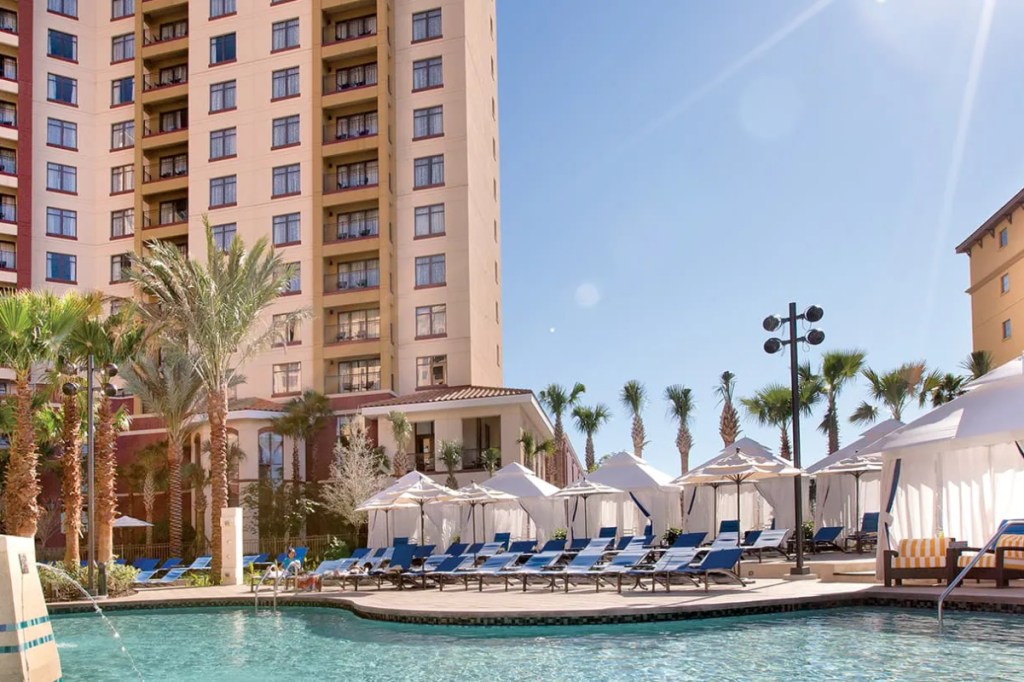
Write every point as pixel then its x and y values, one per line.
pixel 359 136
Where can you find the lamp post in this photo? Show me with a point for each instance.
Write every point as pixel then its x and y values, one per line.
pixel 774 345
pixel 71 388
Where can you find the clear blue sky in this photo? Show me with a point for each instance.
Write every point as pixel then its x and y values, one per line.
pixel 674 171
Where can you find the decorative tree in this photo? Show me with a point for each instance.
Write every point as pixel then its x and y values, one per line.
pixel 588 421
pixel 451 455
pixel 559 400
pixel 491 460
pixel 356 475
pixel 634 396
pixel 401 431
pixel 681 407
pixel 729 421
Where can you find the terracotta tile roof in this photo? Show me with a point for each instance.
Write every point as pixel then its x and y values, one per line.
pixel 450 394
pixel 254 404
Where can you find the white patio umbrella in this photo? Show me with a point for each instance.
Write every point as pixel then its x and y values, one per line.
pixel 476 495
pixel 421 492
pixel 533 494
pixel 384 504
pixel 130 522
pixel 855 466
pixel 738 468
pixel 585 488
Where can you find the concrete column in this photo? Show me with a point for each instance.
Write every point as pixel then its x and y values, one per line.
pixel 27 648
pixel 231 533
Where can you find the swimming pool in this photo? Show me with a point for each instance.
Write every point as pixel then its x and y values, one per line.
pixel 324 643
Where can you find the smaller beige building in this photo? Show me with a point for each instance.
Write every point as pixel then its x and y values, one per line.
pixel 479 418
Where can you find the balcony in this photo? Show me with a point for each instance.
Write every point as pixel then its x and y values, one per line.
pixel 8 164
pixel 344 230
pixel 8 211
pixel 367 329
pixel 165 217
pixel 337 141
pixel 348 86
pixel 168 174
pixel 164 88
pixel 350 38
pixel 8 258
pixel 170 128
pixel 353 381
pixel 353 280
pixel 161 6
pixel 328 5
pixel 430 462
pixel 351 178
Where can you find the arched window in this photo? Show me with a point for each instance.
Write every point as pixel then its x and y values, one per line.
pixel 271 457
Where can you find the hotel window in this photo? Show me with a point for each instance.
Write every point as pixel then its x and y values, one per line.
pixel 359 375
pixel 122 135
pixel 285 131
pixel 61 267
pixel 357 175
pixel 122 179
pixel 222 191
pixel 287 229
pixel 1007 330
pixel 285 83
pixel 432 371
pixel 1004 283
pixel 223 235
pixel 173 166
pixel 8 115
pixel 428 171
pixel 1004 237
pixel 61 133
pixel 61 222
pixel 429 220
pixel 122 91
pixel 8 68
pixel 122 223
pixel 426 25
pixel 294 284
pixel 174 211
pixel 220 8
pixel 62 45
pixel 357 224
pixel 356 76
pixel 122 47
pixel 222 49
pixel 173 30
pixel 222 96
pixel 360 274
pixel 357 125
pixel 430 270
pixel 8 21
pixel 8 260
pixel 121 8
pixel 427 122
pixel 287 327
pixel 286 180
pixel 358 325
pixel 61 89
pixel 173 120
pixel 355 28
pixel 431 320
pixel 8 161
pixel 271 454
pixel 172 75
pixel 61 177
pixel 119 266
pixel 284 34
pixel 68 8
pixel 426 73
pixel 8 208
pixel 223 143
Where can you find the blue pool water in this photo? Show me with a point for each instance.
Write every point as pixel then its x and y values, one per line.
pixel 321 643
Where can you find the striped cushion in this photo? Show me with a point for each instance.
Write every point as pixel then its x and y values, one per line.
pixel 922 553
pixel 919 562
pixel 1012 558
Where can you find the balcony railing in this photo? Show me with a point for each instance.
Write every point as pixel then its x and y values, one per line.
pixel 154 127
pixel 149 83
pixel 166 169
pixel 352 331
pixel 341 81
pixel 9 69
pixel 352 29
pixel 165 217
pixel 338 182
pixel 471 461
pixel 8 260
pixel 332 134
pixel 8 165
pixel 168 32
pixel 356 382
pixel 9 118
pixel 353 230
pixel 8 214
pixel 352 281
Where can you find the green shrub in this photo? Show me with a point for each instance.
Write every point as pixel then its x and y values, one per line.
pixel 58 588
pixel 670 535
pixel 198 579
pixel 337 549
pixel 559 534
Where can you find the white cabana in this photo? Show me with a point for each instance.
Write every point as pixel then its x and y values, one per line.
pixel 439 523
pixel 534 514
pixel 648 497
pixel 959 469
pixel 836 496
pixel 475 498
pixel 761 502
pixel 577 494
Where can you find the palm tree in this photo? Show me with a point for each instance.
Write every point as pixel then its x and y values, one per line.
pixel 681 407
pixel 152 460
pixel 451 455
pixel 838 367
pixel 32 327
pixel 310 413
pixel 558 401
pixel 217 306
pixel 941 388
pixel 633 396
pixel 978 363
pixel 173 390
pixel 195 477
pixel 288 425
pixel 532 448
pixel 71 475
pixel 891 390
pixel 773 406
pixel 491 460
pixel 589 420
pixel 401 431
pixel 729 422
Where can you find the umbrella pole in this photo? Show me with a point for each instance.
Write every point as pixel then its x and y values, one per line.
pixel 856 497
pixel 714 507
pixel 483 522
pixel 739 532
pixel 423 532
pixel 586 525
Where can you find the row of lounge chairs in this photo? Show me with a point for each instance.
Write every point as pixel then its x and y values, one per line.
pixel 172 570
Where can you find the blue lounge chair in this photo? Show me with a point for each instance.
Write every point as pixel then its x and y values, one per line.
pixel 448 569
pixel 671 561
pixel 553 546
pixel 608 532
pixel 688 540
pixel 581 564
pixel 578 543
pixel 200 563
pixel 457 548
pixel 170 577
pixel 624 561
pixel 146 564
pixel 398 542
pixel 768 540
pixel 300 556
pixel 120 561
pixel 474 548
pixel 422 551
pixel 868 533
pixel 522 546
pixel 490 549
pixel 729 526
pixel 718 562
pixel 624 542
pixel 400 558
pixel 490 568
pixel 826 537
pixel 537 565
pixel 649 530
pixel 503 539
pixel 726 540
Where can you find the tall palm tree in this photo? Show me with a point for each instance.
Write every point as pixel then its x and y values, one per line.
pixel 729 421
pixel 491 460
pixel 218 306
pixel 310 413
pixel 451 455
pixel 195 477
pixel 838 367
pixel 939 388
pixel 891 390
pixel 558 400
pixel 589 420
pixel 289 425
pixel 152 460
pixel 532 448
pixel 173 390
pixel 71 475
pixel 32 327
pixel 978 363
pixel 681 407
pixel 773 406
pixel 401 431
pixel 633 396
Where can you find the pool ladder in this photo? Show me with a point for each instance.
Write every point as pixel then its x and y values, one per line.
pixel 989 546
pixel 278 576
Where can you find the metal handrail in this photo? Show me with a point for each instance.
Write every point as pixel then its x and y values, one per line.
pixel 973 562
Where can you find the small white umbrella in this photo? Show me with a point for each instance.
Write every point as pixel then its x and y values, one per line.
pixel 476 495
pixel 585 488
pixel 421 492
pixel 384 504
pixel 855 466
pixel 130 522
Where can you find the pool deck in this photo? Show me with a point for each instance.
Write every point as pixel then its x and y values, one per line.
pixel 538 606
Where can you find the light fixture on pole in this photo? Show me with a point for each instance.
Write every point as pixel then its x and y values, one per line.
pixel 774 345
pixel 71 388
